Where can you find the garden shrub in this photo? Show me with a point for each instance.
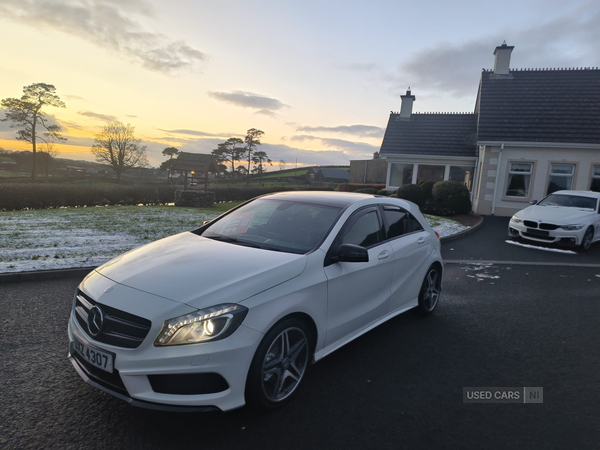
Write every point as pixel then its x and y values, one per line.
pixel 426 187
pixel 412 193
pixel 366 191
pixel 451 197
pixel 384 192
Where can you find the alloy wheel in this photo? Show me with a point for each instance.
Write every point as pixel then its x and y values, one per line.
pixel 432 290
pixel 284 364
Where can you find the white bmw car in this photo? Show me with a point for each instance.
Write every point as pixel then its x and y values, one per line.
pixel 236 311
pixel 563 217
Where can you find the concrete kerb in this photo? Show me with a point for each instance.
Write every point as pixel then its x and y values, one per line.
pixel 465 232
pixel 81 272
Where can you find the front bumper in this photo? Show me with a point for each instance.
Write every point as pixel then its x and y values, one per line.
pixel 136 370
pixel 558 236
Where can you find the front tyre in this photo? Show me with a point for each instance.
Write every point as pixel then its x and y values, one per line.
pixel 279 365
pixel 588 237
pixel 430 291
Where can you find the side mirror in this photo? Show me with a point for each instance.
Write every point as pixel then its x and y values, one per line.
pixel 352 253
pixel 533 202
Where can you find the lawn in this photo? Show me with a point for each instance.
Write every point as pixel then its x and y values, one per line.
pixel 85 237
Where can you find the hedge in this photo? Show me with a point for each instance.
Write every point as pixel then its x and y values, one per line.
pixel 411 192
pixel 352 187
pixel 18 196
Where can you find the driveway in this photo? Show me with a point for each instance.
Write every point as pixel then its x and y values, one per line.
pixel 488 243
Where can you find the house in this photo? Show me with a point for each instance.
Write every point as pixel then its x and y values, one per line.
pixel 195 167
pixel 532 132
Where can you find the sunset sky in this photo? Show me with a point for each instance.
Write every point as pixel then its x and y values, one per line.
pixel 318 77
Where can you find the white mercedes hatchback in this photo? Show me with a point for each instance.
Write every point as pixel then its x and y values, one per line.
pixel 236 310
pixel 564 217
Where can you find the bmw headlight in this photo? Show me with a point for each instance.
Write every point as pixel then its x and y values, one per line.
pixel 572 227
pixel 515 219
pixel 209 324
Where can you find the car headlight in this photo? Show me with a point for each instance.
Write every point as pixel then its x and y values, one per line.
pixel 572 227
pixel 515 219
pixel 209 324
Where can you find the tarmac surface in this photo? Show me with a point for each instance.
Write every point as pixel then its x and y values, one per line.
pixel 521 323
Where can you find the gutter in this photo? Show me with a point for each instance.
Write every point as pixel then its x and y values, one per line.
pixel 496 182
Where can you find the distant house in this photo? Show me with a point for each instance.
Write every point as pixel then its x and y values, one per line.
pixel 195 167
pixel 532 132
pixel 328 175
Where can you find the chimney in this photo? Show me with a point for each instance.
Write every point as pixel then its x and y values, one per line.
pixel 502 62
pixel 407 104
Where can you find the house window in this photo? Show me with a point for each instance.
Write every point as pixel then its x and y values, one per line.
pixel 561 177
pixel 595 185
pixel 519 179
pixel 462 174
pixel 401 174
pixel 430 173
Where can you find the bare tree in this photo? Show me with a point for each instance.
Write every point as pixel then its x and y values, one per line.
pixel 117 146
pixel 281 164
pixel 28 119
pixel 46 156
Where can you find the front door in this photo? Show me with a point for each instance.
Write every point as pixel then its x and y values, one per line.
pixel 358 293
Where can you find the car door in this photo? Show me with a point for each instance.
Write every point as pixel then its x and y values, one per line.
pixel 358 292
pixel 411 247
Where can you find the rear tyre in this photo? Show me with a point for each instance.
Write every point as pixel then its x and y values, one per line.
pixel 430 291
pixel 279 365
pixel 588 237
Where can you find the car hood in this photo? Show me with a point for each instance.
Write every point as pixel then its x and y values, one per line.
pixel 202 272
pixel 554 214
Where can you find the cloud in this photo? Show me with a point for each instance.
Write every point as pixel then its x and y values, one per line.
pixel 358 67
pixel 249 100
pixel 198 133
pixel 356 130
pixel 73 97
pixel 93 115
pixel 572 40
pixel 130 115
pixel 109 24
pixel 352 149
pixel 266 112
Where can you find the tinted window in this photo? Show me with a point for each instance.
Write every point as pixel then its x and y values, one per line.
pixel 364 232
pixel 399 222
pixel 395 223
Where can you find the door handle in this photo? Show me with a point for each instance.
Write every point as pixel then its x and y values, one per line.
pixel 384 255
pixel 421 240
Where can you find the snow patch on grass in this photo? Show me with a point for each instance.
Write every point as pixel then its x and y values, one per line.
pixel 87 237
pixel 444 226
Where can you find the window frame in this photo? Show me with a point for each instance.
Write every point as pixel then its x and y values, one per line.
pixel 512 198
pixel 592 176
pixel 549 174
pixel 333 249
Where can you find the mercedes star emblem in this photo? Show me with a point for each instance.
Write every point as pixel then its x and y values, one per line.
pixel 95 321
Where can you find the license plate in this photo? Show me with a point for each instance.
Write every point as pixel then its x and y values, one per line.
pixel 98 358
pixel 538 232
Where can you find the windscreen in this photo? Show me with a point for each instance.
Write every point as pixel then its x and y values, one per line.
pixel 278 225
pixel 572 201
